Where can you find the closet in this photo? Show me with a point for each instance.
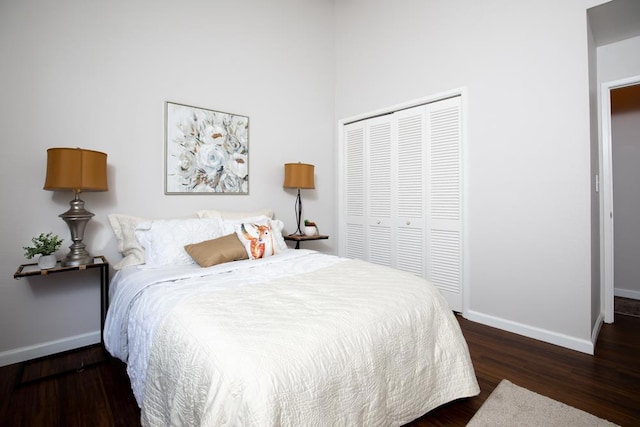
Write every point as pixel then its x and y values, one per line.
pixel 400 198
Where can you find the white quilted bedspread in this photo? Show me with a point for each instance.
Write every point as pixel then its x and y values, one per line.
pixel 350 343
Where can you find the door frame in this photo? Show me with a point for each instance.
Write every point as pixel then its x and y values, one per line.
pixel 606 195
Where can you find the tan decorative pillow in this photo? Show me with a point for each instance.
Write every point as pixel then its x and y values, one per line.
pixel 217 251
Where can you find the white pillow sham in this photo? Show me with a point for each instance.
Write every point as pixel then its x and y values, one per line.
pixel 124 227
pixel 229 225
pixel 277 226
pixel 212 213
pixel 164 240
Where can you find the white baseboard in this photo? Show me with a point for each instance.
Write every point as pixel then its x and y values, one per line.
pixel 596 330
pixel 573 343
pixel 45 349
pixel 626 293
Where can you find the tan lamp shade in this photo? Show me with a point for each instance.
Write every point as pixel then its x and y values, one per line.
pixel 298 175
pixel 76 169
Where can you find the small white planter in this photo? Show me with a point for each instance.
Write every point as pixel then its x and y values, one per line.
pixel 310 230
pixel 46 262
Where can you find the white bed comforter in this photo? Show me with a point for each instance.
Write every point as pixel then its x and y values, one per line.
pixel 298 339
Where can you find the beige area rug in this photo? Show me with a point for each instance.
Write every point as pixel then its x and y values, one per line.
pixel 510 405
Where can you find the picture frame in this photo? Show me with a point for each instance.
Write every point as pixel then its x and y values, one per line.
pixel 206 151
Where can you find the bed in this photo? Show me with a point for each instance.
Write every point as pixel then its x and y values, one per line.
pixel 296 337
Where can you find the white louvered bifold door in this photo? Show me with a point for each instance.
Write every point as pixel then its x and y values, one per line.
pixel 410 193
pixel 444 199
pixel 402 193
pixel 354 190
pixel 379 186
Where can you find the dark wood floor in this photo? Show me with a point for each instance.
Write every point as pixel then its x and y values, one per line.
pixel 606 384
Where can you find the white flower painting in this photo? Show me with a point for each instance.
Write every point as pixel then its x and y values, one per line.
pixel 206 151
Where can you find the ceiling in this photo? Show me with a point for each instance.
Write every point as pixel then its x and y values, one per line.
pixel 614 21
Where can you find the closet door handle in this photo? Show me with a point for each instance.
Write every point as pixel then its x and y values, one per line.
pixel 408 222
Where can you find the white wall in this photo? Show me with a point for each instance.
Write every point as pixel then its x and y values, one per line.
pixel 593 3
pixel 596 281
pixel 619 60
pixel 96 75
pixel 525 66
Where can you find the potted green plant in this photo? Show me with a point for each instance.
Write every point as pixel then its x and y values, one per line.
pixel 44 245
pixel 310 228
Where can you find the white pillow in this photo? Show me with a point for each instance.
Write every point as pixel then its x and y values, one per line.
pixel 229 226
pixel 124 227
pixel 277 227
pixel 164 240
pixel 258 239
pixel 210 213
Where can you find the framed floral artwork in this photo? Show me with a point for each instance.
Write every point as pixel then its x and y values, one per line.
pixel 206 151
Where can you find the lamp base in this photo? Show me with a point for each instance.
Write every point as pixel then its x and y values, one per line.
pixel 77 218
pixel 77 259
pixel 298 231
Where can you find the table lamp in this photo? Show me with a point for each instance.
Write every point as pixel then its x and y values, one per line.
pixel 298 175
pixel 78 170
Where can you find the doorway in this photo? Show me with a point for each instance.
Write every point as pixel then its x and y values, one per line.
pixel 620 148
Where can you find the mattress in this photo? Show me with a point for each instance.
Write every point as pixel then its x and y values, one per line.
pixel 300 338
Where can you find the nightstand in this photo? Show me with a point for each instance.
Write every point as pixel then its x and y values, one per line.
pixel 100 262
pixel 303 238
